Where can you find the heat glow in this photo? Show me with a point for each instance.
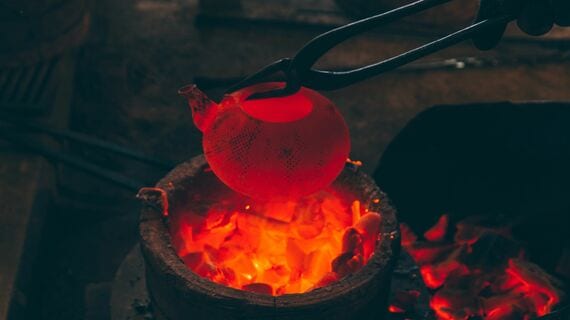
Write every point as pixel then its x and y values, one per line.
pixel 277 248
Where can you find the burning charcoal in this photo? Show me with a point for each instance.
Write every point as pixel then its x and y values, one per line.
pixel 206 270
pixel 198 263
pixel 300 285
pixel 216 218
pixel 340 265
pixel 429 252
pixel 355 209
pixel 193 259
pixel 467 233
pixel 347 263
pixel 183 240
pixel 251 222
pixel 275 274
pixel 281 290
pixel 439 230
pixel 212 253
pixel 309 222
pixel 282 212
pixel 289 246
pixel 540 302
pixel 352 241
pixel 469 230
pixel 506 312
pixel 480 275
pixel 336 213
pixel 228 276
pixel 326 280
pixel 472 283
pixel 261 288
pixel 310 245
pixel 308 231
pixel 395 309
pixel 500 283
pixel 528 291
pixel 293 286
pixel 243 267
pixel 369 226
pixel 295 275
pixel 433 278
pixel 224 253
pixel 216 236
pixel 408 236
pixel 455 304
pixel 404 301
pixel 537 281
pixel 317 263
pixel 506 306
pixel 492 251
pixel 434 275
pixel 306 285
pixel 295 256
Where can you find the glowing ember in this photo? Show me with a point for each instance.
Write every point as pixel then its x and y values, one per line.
pixel 277 248
pixel 482 274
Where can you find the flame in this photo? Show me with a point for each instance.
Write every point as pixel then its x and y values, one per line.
pixel 277 248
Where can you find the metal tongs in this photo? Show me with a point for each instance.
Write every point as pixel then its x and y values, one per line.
pixel 298 70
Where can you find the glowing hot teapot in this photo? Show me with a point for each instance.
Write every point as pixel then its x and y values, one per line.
pixel 273 148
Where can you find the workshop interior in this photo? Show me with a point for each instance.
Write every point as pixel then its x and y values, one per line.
pixel 288 159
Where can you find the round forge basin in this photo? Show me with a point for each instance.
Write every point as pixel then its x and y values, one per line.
pixel 179 293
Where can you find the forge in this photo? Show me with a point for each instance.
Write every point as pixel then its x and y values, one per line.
pixel 215 254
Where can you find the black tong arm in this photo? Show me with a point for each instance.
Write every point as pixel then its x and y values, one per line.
pixel 299 72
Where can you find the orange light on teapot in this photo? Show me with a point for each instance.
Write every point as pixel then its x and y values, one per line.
pixel 273 148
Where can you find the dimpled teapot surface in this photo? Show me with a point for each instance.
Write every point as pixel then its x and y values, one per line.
pixel 273 148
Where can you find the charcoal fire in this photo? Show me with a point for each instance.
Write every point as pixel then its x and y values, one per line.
pixel 483 273
pixel 277 247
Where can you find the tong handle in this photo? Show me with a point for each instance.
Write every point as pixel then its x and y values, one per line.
pixel 299 71
pixel 332 80
pixel 316 48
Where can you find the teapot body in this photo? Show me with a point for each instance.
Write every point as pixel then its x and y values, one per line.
pixel 277 148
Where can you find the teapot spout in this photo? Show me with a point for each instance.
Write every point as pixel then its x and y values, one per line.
pixel 204 110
